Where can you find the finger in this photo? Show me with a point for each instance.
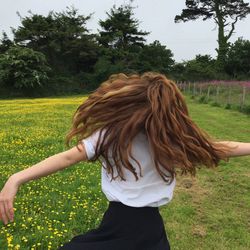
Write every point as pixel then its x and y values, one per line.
pixel 10 209
pixel 7 210
pixel 2 210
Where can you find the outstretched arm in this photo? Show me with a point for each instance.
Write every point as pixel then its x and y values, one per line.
pixel 51 165
pixel 48 166
pixel 240 148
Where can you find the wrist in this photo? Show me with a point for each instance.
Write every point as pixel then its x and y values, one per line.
pixel 15 179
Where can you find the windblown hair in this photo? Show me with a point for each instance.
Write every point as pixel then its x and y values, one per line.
pixel 125 105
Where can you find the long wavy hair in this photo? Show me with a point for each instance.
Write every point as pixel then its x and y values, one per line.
pixel 125 105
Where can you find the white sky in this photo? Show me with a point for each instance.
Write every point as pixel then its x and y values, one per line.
pixel 184 39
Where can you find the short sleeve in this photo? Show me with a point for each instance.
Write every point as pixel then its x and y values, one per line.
pixel 90 144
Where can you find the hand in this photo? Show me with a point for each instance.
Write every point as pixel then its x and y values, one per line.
pixel 7 196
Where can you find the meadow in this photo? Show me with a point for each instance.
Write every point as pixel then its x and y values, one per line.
pixel 210 211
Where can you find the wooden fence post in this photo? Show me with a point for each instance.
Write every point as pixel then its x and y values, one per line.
pixel 217 93
pixel 243 96
pixel 208 92
pixel 229 95
pixel 184 84
pixel 194 88
pixel 200 89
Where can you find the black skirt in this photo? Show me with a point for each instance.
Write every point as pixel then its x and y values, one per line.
pixel 124 228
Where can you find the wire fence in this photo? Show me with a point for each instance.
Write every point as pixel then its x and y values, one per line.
pixel 230 94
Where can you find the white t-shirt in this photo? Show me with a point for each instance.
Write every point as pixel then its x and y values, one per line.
pixel 149 190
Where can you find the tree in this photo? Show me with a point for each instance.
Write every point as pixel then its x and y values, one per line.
pixel 5 43
pixel 155 57
pixel 23 68
pixel 198 69
pixel 238 59
pixel 121 42
pixel 178 71
pixel 226 13
pixel 120 29
pixel 62 37
pixel 151 57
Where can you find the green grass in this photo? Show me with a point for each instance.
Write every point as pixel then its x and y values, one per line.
pixel 213 213
pixel 223 100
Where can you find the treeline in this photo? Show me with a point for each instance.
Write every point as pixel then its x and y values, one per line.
pixel 56 54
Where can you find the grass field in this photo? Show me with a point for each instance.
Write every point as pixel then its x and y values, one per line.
pixel 211 211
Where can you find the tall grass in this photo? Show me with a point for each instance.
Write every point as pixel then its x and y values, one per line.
pixel 227 94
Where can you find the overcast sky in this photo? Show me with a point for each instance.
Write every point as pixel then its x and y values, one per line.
pixel 184 39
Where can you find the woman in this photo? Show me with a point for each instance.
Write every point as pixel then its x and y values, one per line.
pixel 139 128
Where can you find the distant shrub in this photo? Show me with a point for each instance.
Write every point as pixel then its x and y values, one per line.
pixel 246 109
pixel 215 104
pixel 23 69
pixel 202 99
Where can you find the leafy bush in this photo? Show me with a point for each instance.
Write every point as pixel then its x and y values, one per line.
pixel 246 109
pixel 23 69
pixel 202 99
pixel 215 104
pixel 228 106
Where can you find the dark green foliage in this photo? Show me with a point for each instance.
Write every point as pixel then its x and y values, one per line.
pixel 121 42
pixel 23 69
pixel 63 85
pixel 104 68
pixel 215 104
pixel 80 61
pixel 5 43
pixel 123 47
pixel 120 29
pixel 228 106
pixel 199 69
pixel 178 71
pixel 156 57
pixel 238 59
pixel 62 37
pixel 225 14
pixel 246 109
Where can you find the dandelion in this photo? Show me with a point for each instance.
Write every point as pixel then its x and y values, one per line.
pixel 17 247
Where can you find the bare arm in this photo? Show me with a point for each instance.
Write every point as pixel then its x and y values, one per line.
pixel 51 165
pixel 240 148
pixel 48 166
